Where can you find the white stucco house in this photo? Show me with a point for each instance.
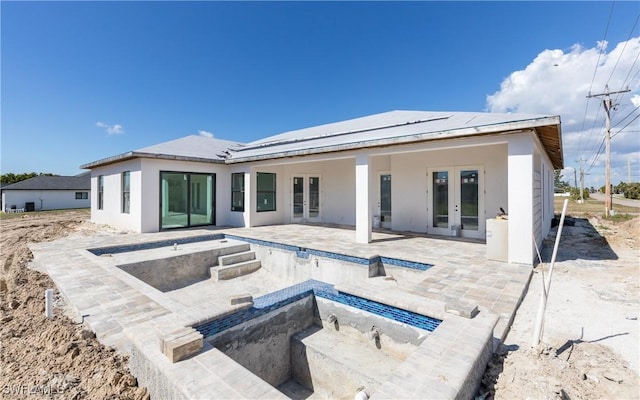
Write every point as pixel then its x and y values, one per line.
pixel 413 171
pixel 48 193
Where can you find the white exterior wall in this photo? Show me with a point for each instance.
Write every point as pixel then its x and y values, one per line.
pixel 44 199
pixel 112 214
pixel 518 176
pixel 337 194
pixel 410 182
pixel 530 196
pixel 337 190
pixel 151 188
pixel 144 211
pixel 546 211
pixel 266 217
pixel 521 195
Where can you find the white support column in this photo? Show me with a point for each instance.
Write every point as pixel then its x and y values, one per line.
pixel 249 196
pixel 363 208
pixel 520 197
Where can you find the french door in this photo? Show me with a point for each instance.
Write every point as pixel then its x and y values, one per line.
pixel 456 198
pixel 305 198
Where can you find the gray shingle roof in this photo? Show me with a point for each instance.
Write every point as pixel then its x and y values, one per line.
pixel 78 182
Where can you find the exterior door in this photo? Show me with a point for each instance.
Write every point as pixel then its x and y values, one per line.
pixel 305 198
pixel 456 198
pixel 186 199
pixel 384 199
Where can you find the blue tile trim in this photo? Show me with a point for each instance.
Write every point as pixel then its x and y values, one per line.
pixel 301 252
pixel 407 264
pixel 280 298
pixel 342 257
pixel 266 243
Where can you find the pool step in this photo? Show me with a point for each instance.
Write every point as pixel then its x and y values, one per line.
pixel 236 258
pixel 335 365
pixel 234 265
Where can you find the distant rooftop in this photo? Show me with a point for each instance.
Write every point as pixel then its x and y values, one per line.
pixel 42 182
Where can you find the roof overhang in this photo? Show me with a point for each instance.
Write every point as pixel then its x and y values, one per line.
pixel 551 138
pixel 546 128
pixel 136 154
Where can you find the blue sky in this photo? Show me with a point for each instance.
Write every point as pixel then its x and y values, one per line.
pixel 86 80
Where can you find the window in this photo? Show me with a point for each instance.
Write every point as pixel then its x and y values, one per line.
pixel 237 191
pixel 100 192
pixel 126 191
pixel 266 192
pixel 82 195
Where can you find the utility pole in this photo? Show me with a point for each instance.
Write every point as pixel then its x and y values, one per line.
pixel 608 105
pixel 628 169
pixel 581 160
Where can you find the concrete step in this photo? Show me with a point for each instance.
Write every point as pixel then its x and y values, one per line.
pixel 225 272
pixel 236 258
pixel 335 365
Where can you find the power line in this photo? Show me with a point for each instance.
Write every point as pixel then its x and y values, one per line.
pixel 593 78
pixel 623 48
pixel 627 116
pixel 602 47
pixel 621 129
pixel 598 153
pixel 591 132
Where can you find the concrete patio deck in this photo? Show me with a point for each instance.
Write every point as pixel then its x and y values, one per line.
pixel 124 312
pixel 460 269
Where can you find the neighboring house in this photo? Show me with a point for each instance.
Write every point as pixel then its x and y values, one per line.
pixel 48 193
pixel 417 171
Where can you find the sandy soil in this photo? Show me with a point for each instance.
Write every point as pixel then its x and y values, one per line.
pixel 589 349
pixel 57 358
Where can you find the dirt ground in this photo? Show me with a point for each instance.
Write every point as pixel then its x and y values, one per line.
pixel 57 358
pixel 589 348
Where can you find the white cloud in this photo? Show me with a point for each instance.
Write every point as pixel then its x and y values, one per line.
pixel 116 129
pixel 558 82
pixel 205 133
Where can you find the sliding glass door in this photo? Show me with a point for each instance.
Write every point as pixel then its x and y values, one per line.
pixel 186 199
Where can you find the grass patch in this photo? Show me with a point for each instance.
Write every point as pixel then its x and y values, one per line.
pixel 620 217
pixel 591 206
